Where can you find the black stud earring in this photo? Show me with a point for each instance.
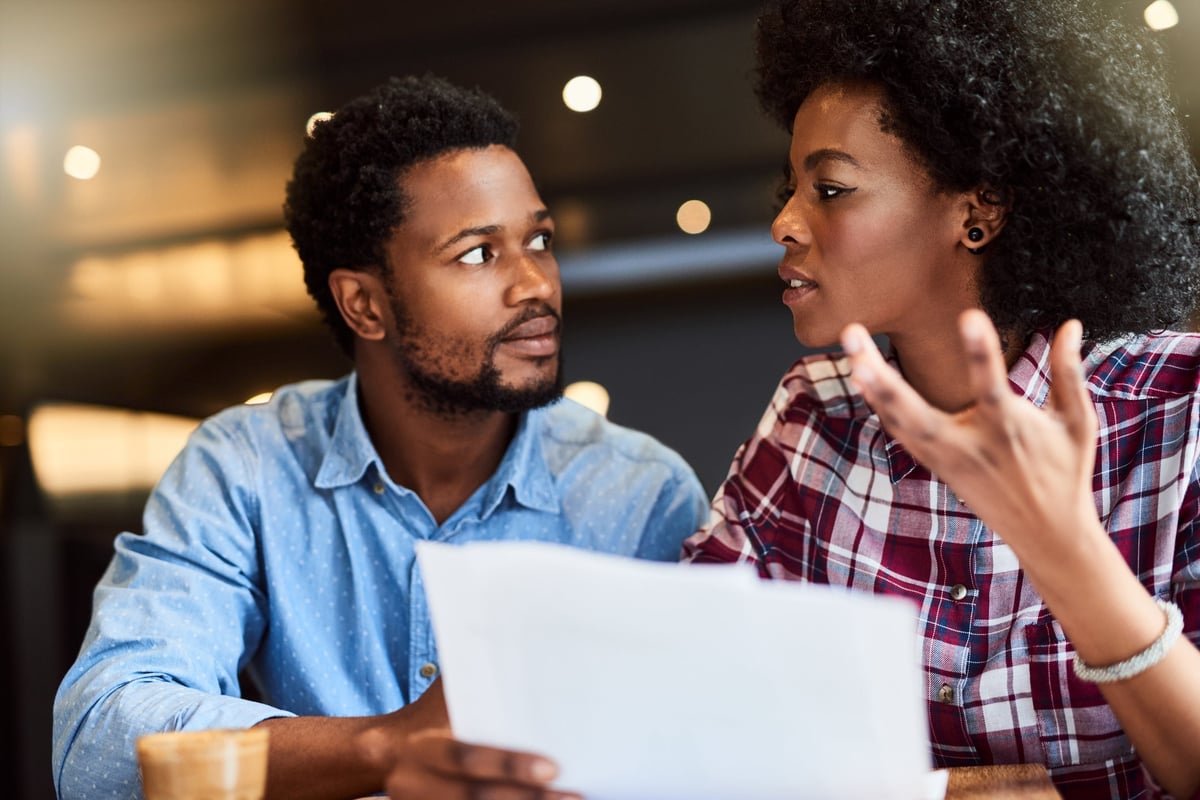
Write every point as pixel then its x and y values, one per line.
pixel 975 234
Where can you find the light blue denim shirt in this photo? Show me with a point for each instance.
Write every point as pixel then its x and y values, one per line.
pixel 276 543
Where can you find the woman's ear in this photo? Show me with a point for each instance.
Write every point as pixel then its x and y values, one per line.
pixel 360 297
pixel 985 210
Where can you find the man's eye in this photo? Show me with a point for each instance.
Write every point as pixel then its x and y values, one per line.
pixel 476 255
pixel 540 242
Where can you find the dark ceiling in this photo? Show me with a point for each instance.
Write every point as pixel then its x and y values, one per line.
pixel 198 108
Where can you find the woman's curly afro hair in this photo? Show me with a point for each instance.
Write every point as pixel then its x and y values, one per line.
pixel 1062 112
pixel 345 198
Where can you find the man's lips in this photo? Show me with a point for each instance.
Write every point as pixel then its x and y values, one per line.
pixel 535 338
pixel 531 329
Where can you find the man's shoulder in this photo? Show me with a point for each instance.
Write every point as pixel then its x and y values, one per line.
pixel 569 430
pixel 296 413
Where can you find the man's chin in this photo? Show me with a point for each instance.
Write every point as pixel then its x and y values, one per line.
pixel 516 399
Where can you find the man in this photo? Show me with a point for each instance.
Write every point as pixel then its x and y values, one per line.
pixel 280 542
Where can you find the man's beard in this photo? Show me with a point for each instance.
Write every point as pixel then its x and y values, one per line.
pixel 449 397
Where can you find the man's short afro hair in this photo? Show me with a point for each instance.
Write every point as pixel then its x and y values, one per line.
pixel 345 198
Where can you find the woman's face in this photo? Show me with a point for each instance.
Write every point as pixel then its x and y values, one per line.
pixel 868 237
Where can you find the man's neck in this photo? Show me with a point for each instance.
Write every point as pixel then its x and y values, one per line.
pixel 442 458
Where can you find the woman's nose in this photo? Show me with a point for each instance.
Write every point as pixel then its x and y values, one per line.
pixel 790 228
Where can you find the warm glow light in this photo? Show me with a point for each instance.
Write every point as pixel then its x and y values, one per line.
pixel 81 162
pixel 1161 15
pixel 581 93
pixel 12 430
pixel 259 399
pixel 315 120
pixel 78 449
pixel 590 395
pixel 693 217
pixel 208 283
pixel 19 163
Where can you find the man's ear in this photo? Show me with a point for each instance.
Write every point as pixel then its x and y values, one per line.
pixel 984 213
pixel 361 299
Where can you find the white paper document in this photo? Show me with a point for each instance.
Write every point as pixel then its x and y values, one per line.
pixel 653 681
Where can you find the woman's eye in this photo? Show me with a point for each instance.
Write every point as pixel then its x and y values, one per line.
pixel 540 242
pixel 476 255
pixel 828 191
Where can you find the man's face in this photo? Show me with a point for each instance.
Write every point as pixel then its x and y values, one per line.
pixel 474 286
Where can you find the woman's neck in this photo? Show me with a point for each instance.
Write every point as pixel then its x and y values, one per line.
pixel 935 366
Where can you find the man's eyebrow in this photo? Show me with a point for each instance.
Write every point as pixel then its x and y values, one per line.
pixel 466 233
pixel 541 215
pixel 828 154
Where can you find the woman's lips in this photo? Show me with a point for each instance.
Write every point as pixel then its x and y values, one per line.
pixel 797 289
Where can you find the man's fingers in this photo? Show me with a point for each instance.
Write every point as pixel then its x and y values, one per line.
pixel 986 370
pixel 404 785
pixel 440 752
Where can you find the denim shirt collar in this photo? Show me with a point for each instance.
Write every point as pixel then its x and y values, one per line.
pixel 523 469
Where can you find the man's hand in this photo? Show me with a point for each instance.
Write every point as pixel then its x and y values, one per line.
pixel 430 762
pixel 410 752
pixel 435 764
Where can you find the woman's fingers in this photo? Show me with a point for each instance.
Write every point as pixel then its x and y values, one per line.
pixel 1068 392
pixel 903 412
pixel 986 370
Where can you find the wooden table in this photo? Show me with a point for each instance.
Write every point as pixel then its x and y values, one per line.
pixel 1001 782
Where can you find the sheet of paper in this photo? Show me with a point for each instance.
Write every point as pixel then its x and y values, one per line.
pixel 647 680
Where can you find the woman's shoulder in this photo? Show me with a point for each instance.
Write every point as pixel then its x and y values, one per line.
pixel 1154 365
pixel 820 382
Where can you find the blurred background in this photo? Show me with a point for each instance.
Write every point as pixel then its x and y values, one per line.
pixel 146 281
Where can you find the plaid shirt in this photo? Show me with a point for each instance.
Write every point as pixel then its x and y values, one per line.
pixel 822 493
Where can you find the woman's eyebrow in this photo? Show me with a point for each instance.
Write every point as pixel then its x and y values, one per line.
pixel 828 154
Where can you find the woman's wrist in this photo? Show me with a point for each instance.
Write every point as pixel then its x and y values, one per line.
pixel 1141 661
pixel 1105 612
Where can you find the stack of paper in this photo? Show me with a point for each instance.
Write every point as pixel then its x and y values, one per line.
pixel 649 680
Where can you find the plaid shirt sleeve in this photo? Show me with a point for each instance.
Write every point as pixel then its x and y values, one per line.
pixel 821 493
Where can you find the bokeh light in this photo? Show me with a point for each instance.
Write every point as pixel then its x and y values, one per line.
pixel 693 217
pixel 81 162
pixel 582 93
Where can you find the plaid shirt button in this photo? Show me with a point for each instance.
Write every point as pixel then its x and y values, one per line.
pixel 945 694
pixel 958 592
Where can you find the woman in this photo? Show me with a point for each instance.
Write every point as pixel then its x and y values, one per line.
pixel 991 185
pixel 960 168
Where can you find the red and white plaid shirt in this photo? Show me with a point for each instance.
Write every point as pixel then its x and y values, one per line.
pixel 822 493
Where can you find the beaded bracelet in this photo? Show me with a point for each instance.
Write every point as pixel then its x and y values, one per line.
pixel 1123 670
